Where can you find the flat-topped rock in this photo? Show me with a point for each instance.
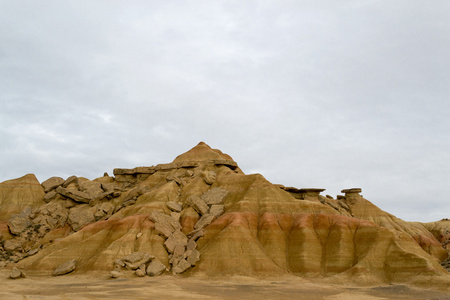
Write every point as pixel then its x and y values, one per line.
pixel 352 190
pixel 311 190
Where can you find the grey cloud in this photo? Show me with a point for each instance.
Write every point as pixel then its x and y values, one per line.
pixel 317 93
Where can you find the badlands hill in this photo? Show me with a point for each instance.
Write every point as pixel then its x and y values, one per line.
pixel 201 215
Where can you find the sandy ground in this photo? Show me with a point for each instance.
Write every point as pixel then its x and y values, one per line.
pixel 74 286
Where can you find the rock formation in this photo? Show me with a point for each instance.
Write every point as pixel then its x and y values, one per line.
pixel 201 214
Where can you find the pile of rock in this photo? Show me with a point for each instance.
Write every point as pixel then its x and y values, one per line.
pixel 141 263
pixel 182 249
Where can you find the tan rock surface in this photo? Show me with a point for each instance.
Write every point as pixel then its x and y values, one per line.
pixel 264 230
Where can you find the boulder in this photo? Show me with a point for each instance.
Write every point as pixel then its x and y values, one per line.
pixel 116 274
pixel 118 264
pixel 214 196
pixel 198 204
pixel 194 257
pixel 140 273
pixel 173 206
pixel 176 239
pixel 52 183
pixel 204 221
pixel 19 223
pixel 75 195
pixel 175 215
pixel 155 268
pixel 191 245
pixel 164 224
pixel 71 179
pixel 50 196
pixel 136 259
pixel 81 215
pixel 196 234
pixel 181 266
pixel 93 189
pixel 217 210
pixel 16 273
pixel 65 268
pixel 209 177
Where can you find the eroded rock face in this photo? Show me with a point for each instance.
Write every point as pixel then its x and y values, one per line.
pixel 200 213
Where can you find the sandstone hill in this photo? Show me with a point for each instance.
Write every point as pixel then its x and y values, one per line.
pixel 201 215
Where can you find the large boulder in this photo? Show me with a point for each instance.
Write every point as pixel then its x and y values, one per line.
pixel 81 215
pixel 52 183
pixel 19 223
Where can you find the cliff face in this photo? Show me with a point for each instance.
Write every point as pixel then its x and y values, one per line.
pixel 201 214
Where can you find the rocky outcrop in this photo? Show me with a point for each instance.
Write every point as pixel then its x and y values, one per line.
pixel 201 214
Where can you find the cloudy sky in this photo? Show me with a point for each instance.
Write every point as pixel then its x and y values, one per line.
pixel 330 94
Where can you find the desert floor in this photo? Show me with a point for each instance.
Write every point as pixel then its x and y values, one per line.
pixel 75 286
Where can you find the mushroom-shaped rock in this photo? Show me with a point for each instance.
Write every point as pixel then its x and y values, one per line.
pixel 65 268
pixel 352 190
pixel 311 194
pixel 352 195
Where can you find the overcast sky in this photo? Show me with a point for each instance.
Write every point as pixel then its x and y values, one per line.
pixel 329 94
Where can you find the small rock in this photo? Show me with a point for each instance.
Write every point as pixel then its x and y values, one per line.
pixel 65 268
pixel 177 238
pixel 138 235
pixel 196 234
pixel 71 179
pixel 164 224
pixel 214 196
pixel 140 273
pixel 204 221
pixel 175 215
pixel 191 245
pixel 194 257
pixel 173 206
pixel 155 268
pixel 119 264
pixel 217 210
pixel 136 259
pixel 198 204
pixel 116 274
pixel 209 177
pixel 182 266
pixel 50 196
pixel 16 273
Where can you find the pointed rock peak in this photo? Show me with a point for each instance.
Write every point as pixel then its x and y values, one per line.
pixel 202 152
